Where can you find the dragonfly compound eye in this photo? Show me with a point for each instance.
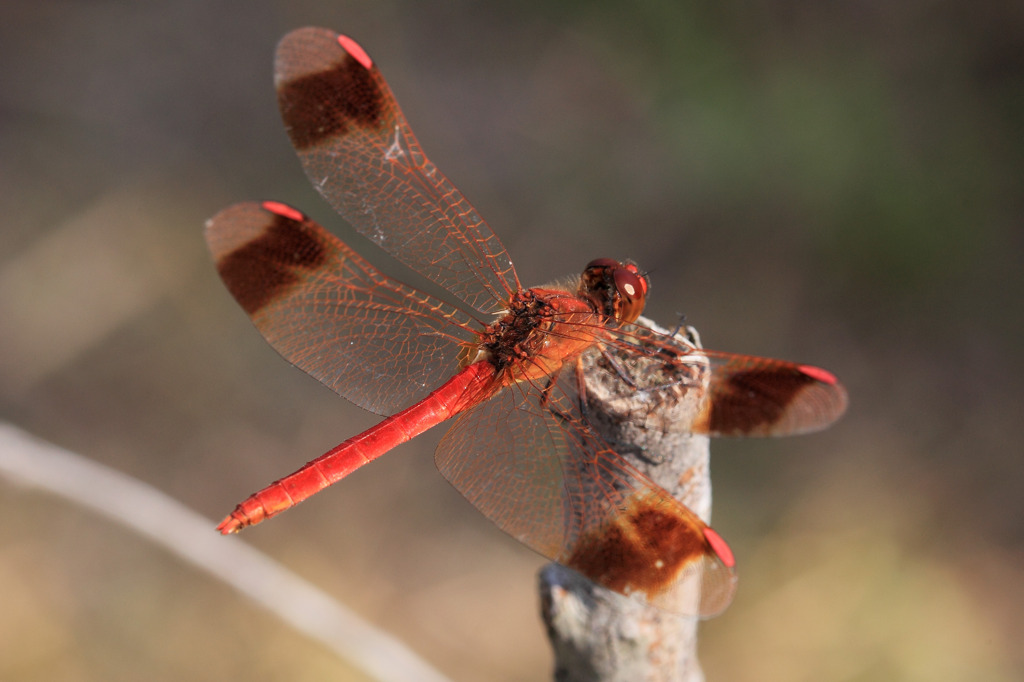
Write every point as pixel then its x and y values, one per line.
pixel 617 289
pixel 631 287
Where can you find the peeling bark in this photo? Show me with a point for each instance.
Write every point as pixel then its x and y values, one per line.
pixel 599 635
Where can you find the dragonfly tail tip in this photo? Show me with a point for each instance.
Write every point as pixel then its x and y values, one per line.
pixel 230 525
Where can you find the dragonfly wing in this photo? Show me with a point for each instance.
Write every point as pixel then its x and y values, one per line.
pixel 530 462
pixel 371 339
pixel 744 395
pixel 360 153
pixel 752 396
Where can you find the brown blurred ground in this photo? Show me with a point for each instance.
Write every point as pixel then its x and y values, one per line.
pixel 839 186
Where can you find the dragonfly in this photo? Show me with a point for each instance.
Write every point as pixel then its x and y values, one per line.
pixel 502 360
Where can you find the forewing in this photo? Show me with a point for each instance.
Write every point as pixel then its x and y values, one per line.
pixel 752 396
pixel 528 460
pixel 745 395
pixel 371 339
pixel 360 153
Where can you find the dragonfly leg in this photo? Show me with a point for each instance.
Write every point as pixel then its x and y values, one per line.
pixel 626 379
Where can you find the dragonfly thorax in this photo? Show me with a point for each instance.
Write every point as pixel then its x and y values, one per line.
pixel 541 330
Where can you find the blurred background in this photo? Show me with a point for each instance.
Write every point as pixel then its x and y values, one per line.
pixel 833 183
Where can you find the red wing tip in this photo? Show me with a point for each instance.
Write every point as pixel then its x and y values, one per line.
pixel 820 374
pixel 284 210
pixel 354 49
pixel 720 547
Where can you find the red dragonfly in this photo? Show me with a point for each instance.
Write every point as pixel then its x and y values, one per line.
pixel 503 359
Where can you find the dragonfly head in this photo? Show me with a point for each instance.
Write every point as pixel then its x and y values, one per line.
pixel 617 290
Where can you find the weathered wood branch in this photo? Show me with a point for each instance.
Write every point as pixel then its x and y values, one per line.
pixel 149 513
pixel 599 635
